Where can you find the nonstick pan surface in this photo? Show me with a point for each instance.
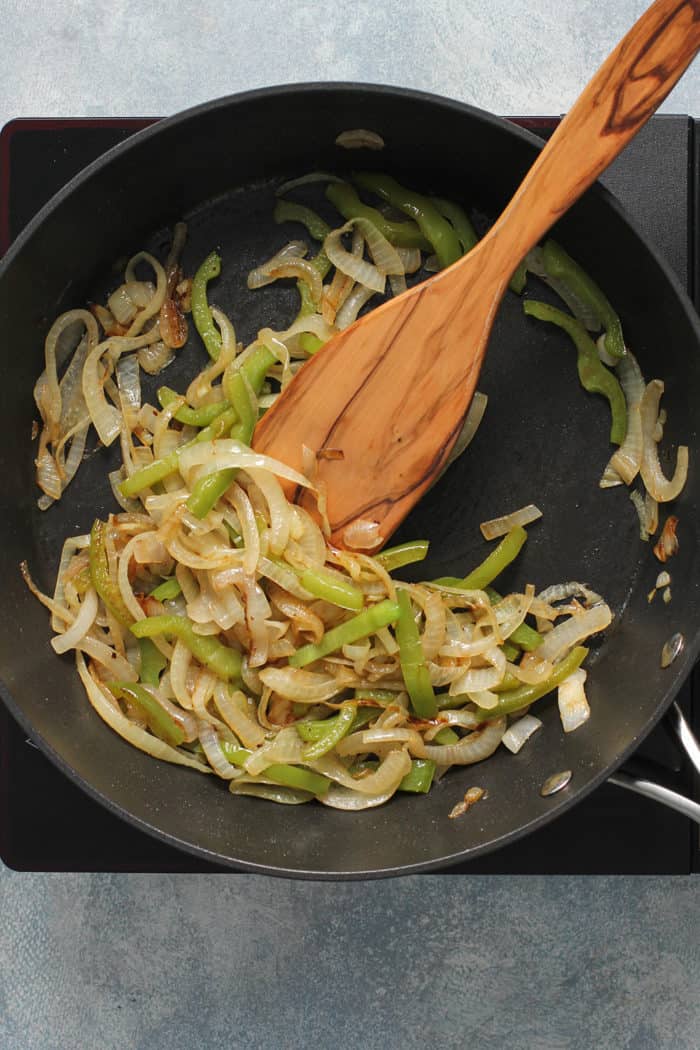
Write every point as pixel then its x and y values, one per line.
pixel 543 440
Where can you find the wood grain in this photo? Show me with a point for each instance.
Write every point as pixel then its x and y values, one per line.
pixel 392 390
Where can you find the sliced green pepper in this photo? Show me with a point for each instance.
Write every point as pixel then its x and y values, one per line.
pixel 400 234
pixel 431 223
pixel 332 588
pixel 498 560
pixel 461 222
pixel 380 696
pixel 167 590
pixel 515 699
pixel 403 554
pixel 524 636
pixel 279 772
pixel 560 265
pixel 209 489
pixel 446 735
pixel 491 567
pixel 201 311
pixel 290 211
pixel 208 650
pixel 160 723
pixel 106 587
pixel 361 626
pixel 594 376
pixel 420 777
pixel 413 666
pixel 192 417
pixel 152 662
pixel 324 734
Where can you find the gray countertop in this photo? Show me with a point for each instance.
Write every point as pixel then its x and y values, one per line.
pixel 232 961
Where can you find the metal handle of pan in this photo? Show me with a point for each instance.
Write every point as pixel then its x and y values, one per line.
pixel 658 792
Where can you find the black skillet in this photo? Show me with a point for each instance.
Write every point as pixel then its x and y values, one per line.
pixel 543 440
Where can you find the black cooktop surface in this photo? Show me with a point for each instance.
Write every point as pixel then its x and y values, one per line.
pixel 48 824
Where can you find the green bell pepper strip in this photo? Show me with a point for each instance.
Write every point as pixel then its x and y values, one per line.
pixel 192 417
pixel 160 469
pixel 447 735
pixel 333 589
pixel 559 264
pixel 499 559
pixel 209 651
pixel 594 376
pixel 400 234
pixel 208 490
pixel 361 626
pixel 459 219
pixel 431 223
pixel 413 666
pixel 468 236
pixel 380 696
pixel 290 211
pixel 510 651
pixel 167 590
pixel 420 777
pixel 236 392
pixel 491 567
pixel 515 699
pixel 106 587
pixel 152 662
pixel 280 772
pixel 316 728
pixel 201 311
pixel 333 731
pixel 157 718
pixel 524 636
pixel 403 554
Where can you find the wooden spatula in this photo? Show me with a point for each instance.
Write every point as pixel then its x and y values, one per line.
pixel 389 394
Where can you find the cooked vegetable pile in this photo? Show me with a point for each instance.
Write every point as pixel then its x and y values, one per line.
pixel 213 623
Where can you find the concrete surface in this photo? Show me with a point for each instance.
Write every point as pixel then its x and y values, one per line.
pixel 154 962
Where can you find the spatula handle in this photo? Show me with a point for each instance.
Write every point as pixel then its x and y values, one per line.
pixel 617 102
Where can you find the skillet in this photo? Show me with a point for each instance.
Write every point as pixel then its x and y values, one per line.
pixel 543 440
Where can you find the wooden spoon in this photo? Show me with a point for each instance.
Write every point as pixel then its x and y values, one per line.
pixel 391 391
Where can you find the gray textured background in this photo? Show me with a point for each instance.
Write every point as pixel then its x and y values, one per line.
pixel 232 961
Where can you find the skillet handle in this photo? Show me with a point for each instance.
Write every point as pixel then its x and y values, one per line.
pixel 650 789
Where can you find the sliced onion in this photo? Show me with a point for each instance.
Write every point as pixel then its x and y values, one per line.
pixel 651 508
pixel 109 711
pixel 362 535
pixel 306 687
pixel 569 633
pixel 477 679
pixel 350 309
pixel 122 306
pixel 105 418
pixel 286 747
pixel 80 626
pixel 360 138
pixel 279 508
pixel 296 267
pixel 657 485
pixel 350 800
pixel 226 453
pixel 572 589
pixel 240 501
pixel 520 731
pixel 573 705
pixel 510 613
pixel 155 357
pixel 305 180
pixel 626 460
pixel 385 779
pixel 490 530
pixel 209 739
pixel 641 509
pixel 129 389
pixel 472 422
pixel 474 747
